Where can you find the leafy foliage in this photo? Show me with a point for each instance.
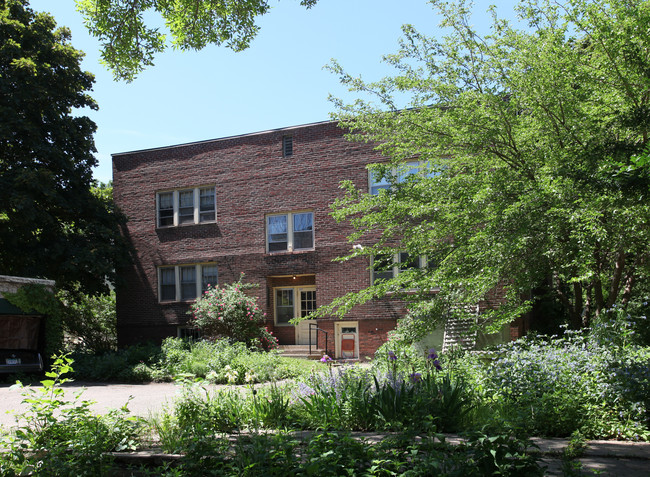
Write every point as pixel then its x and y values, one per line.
pixel 180 358
pixel 87 321
pixel 226 311
pixel 339 453
pixel 51 224
pixel 556 386
pixel 53 426
pixel 532 144
pixel 90 321
pixel 129 44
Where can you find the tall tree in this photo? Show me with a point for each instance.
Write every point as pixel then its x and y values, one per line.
pixel 129 44
pixel 51 224
pixel 533 144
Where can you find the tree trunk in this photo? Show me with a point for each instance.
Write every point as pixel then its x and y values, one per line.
pixel 615 286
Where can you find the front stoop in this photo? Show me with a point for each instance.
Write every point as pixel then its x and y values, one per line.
pixel 300 351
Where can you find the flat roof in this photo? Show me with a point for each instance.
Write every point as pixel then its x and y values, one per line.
pixel 258 133
pixel 25 280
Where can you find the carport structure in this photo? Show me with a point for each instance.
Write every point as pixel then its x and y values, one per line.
pixel 22 340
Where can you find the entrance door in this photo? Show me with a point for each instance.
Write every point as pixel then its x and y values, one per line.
pixel 307 297
pixel 292 303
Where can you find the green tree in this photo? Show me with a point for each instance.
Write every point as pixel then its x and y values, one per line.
pixel 129 44
pixel 533 144
pixel 51 224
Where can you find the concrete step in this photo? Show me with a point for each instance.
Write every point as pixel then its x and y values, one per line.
pixel 300 351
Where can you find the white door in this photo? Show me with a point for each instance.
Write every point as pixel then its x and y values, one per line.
pixel 306 304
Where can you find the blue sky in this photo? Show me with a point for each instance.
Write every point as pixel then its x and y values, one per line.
pixel 279 81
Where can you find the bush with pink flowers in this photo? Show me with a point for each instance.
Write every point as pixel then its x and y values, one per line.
pixel 227 311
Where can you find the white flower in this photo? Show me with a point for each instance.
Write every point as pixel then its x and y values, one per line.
pixel 250 376
pixel 212 376
pixel 231 374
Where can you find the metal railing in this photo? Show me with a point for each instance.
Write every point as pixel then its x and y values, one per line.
pixel 314 326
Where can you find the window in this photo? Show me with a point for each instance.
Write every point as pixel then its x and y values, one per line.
pixel 167 284
pixel 186 206
pixel 293 303
pixel 166 209
pixel 181 283
pixel 208 277
pixel 377 183
pixel 188 282
pixel 290 232
pixel 206 204
pixel 287 146
pixel 385 267
pixel 189 333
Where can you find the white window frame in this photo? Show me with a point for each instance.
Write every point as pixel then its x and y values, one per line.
pixel 198 275
pixel 290 231
pixel 411 167
pixel 197 213
pixel 396 269
pixel 297 308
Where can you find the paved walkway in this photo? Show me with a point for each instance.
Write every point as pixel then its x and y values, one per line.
pixel 603 458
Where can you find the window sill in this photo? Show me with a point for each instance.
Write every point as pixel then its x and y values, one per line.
pixel 168 227
pixel 180 302
pixel 291 252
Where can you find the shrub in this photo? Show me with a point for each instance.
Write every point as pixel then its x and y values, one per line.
pixel 58 437
pixel 338 453
pixel 226 311
pixel 90 321
pixel 133 364
pixel 177 357
pixel 348 398
pixel 555 386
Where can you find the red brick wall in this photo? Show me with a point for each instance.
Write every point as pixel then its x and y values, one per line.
pixel 252 179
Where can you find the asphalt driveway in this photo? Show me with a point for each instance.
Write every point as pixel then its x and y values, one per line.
pixel 147 398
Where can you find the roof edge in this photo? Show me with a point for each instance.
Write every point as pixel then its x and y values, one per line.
pixel 226 138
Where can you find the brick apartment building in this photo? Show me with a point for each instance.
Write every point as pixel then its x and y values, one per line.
pixel 259 204
pixel 203 213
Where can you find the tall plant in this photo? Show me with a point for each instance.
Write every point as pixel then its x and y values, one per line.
pixel 227 311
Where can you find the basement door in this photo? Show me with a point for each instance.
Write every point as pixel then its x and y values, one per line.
pixel 346 336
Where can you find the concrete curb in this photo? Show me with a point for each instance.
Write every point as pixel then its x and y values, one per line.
pixel 605 458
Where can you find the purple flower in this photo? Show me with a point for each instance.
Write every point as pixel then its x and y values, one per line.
pixel 436 364
pixel 416 377
pixel 392 356
pixel 432 354
pixel 326 359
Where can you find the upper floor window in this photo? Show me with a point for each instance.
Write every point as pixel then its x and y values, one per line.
pixel 385 267
pixel 378 182
pixel 289 232
pixel 185 282
pixel 186 206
